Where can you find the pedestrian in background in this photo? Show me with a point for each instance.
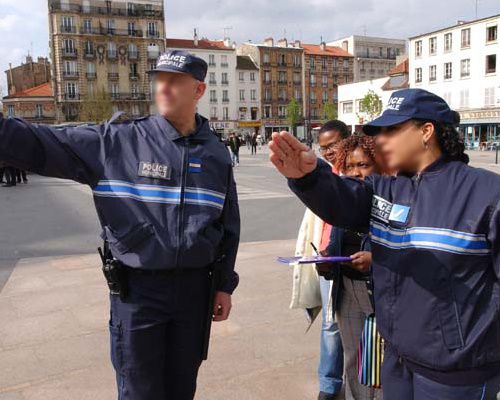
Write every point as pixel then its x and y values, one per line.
pixel 313 292
pixel 234 145
pixel 21 174
pixel 254 143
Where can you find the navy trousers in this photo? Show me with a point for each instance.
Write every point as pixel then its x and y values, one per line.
pixel 157 335
pixel 399 383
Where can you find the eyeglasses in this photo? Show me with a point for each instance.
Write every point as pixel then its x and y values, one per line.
pixel 331 146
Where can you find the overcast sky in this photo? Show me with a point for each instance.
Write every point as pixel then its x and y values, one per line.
pixel 24 26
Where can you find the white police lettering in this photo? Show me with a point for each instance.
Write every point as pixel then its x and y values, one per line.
pixel 395 103
pixel 154 170
pixel 381 208
pixel 170 59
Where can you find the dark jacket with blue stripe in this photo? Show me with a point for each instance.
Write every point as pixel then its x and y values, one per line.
pixel 186 216
pixel 435 241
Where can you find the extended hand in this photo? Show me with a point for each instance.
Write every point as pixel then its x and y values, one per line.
pixel 292 158
pixel 222 306
pixel 362 261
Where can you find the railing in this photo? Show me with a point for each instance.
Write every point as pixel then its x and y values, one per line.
pixel 212 82
pixel 153 34
pixel 111 31
pixel 225 83
pixel 56 5
pixel 134 76
pixel 225 100
pixel 112 54
pixel 224 65
pixel 114 76
pixel 91 75
pixel 69 53
pixel 213 101
pixel 133 55
pixel 212 64
pixel 89 54
pixel 70 74
pixel 68 29
pixel 71 96
pixel 282 81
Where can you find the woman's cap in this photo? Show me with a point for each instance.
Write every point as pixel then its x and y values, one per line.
pixel 409 104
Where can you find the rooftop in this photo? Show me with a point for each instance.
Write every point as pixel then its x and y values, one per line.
pixel 457 25
pixel 401 68
pixel 316 50
pixel 246 62
pixel 44 90
pixel 203 44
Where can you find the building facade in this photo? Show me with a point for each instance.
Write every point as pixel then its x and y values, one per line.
pixel 35 104
pixel 219 102
pixel 374 57
pixel 248 96
pixel 28 75
pixel 281 80
pixel 461 63
pixel 351 95
pixel 325 68
pixel 104 45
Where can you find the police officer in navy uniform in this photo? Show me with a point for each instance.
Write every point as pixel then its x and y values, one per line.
pixel 166 199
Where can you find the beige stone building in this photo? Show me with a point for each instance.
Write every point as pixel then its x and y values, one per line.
pixel 106 45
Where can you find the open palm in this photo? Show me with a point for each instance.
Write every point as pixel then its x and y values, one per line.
pixel 291 158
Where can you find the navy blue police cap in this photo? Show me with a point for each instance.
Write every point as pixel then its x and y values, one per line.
pixel 408 104
pixel 182 62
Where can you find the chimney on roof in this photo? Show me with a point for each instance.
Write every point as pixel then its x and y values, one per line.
pixel 269 41
pixel 282 43
pixel 297 44
pixel 195 38
pixel 461 22
pixel 322 46
pixel 227 42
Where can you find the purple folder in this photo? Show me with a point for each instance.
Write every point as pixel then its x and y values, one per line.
pixel 312 260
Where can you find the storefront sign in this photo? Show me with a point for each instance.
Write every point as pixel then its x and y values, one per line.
pixel 479 114
pixel 249 124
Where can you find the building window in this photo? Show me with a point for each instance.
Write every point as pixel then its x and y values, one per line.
pixel 433 46
pixel 267 112
pixel 323 63
pixel 87 26
pixel 465 38
pixel 281 77
pixel 267 94
pixel 464 98
pixel 282 112
pixel 267 76
pixel 465 68
pixel 223 61
pixel 212 80
pixel 71 90
pixel 213 96
pixel 252 76
pixel 325 97
pixel 39 110
pixel 347 107
pixel 418 48
pixel 324 80
pixel 491 34
pixel 432 73
pixel 296 77
pixel 67 25
pixel 448 70
pixel 282 60
pixel 225 113
pixel 253 95
pixel 90 89
pixel 489 97
pixel 224 79
pixel 448 42
pixel 211 60
pixel 491 64
pixel 418 75
pixel 266 58
pixel 282 95
pixel 242 94
pixel 297 94
pixel 447 98
pixel 242 76
pixel 296 60
pixel 153 29
pixel 11 111
pixel 225 96
pixel 213 112
pixel 313 80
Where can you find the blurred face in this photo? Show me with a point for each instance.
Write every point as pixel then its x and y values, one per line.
pixel 327 142
pixel 177 94
pixel 359 165
pixel 402 147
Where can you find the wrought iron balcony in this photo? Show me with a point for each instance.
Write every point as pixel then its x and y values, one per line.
pixel 69 53
pixel 137 11
pixel 68 29
pixel 113 76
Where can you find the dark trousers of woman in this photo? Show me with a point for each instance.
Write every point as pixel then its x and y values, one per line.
pixel 254 148
pixel 21 174
pixel 10 176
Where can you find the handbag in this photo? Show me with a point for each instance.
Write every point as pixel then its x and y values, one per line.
pixel 370 354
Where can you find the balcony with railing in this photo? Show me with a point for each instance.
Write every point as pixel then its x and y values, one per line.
pixel 137 11
pixel 224 83
pixel 134 76
pixel 70 74
pixel 68 29
pixel 213 100
pixel 69 52
pixel 89 54
pixel 133 55
pixel 71 96
pixel 113 76
pixel 224 65
pixel 112 54
pixel 225 100
pixel 153 34
pixel 91 76
pixel 212 82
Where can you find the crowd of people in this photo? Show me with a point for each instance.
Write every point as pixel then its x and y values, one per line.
pixel 12 176
pixel 235 142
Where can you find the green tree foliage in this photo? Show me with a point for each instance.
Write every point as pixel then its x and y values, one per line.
pixel 97 107
pixel 294 114
pixel 371 105
pixel 329 112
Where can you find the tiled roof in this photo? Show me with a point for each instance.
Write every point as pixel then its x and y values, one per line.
pixel 402 68
pixel 44 90
pixel 204 44
pixel 245 62
pixel 315 49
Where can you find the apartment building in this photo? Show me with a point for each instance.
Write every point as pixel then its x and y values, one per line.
pixel 461 63
pixel 281 79
pixel 104 45
pixel 28 75
pixel 219 102
pixel 325 68
pixel 374 57
pixel 247 96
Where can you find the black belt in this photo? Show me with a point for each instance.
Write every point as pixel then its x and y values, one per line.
pixel 162 272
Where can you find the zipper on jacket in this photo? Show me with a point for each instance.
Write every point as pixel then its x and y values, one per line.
pixel 180 220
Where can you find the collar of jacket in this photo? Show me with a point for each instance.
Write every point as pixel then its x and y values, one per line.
pixel 435 167
pixel 201 133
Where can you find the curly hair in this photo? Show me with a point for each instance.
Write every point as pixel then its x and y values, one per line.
pixel 348 145
pixel 449 139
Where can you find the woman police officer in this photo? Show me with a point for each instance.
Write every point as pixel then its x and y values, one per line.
pixel 435 237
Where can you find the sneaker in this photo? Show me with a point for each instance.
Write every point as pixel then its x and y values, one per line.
pixel 328 396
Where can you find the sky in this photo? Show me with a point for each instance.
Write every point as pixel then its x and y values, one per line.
pixel 24 23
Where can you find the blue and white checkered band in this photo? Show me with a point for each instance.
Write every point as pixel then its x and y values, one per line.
pixel 172 60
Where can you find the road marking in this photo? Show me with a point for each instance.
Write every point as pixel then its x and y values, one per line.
pixel 249 193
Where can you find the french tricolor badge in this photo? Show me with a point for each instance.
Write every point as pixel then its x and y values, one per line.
pixel 195 165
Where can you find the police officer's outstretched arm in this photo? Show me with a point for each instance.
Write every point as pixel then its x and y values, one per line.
pixel 70 153
pixel 338 201
pixel 494 238
pixel 228 278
